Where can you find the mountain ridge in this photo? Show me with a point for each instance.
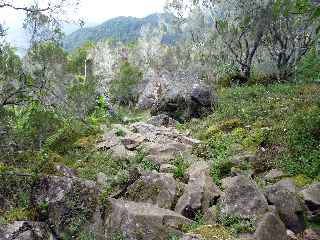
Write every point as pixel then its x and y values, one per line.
pixel 123 29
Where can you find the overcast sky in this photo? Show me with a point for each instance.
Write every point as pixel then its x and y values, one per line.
pixel 94 11
pixel 101 10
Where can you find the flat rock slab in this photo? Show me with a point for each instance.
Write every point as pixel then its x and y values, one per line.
pixel 157 188
pixel 142 221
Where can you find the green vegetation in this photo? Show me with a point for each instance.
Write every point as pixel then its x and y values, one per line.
pixel 55 105
pixel 198 221
pixel 181 168
pixel 237 225
pixel 124 82
pixel 278 122
pixel 215 232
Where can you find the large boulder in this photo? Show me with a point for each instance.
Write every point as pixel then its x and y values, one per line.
pixel 243 198
pixel 271 228
pixel 69 205
pixel 143 221
pixel 180 105
pixel 155 188
pixel 200 193
pixel 25 230
pixel 202 100
pixel 311 196
pixel 288 205
pixel 287 184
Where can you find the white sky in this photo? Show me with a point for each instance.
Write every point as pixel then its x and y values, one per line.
pixel 93 11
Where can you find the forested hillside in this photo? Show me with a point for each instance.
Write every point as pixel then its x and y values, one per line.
pixel 122 29
pixel 202 123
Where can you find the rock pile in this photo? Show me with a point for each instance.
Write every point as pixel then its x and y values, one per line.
pixel 156 205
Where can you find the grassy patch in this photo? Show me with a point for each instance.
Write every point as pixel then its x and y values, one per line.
pixel 278 122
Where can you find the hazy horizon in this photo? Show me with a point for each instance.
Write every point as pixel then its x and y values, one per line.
pixel 92 12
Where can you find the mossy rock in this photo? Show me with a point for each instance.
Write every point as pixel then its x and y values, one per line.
pixel 214 232
pixel 230 124
pixel 302 180
pixel 212 131
pixel 17 214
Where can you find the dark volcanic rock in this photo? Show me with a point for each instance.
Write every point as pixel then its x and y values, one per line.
pixel 197 102
pixel 141 221
pixel 67 202
pixel 288 205
pixel 243 198
pixel 271 228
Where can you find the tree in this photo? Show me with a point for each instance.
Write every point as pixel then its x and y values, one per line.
pixel 43 18
pixel 14 85
pixel 123 87
pixel 289 38
pixel 240 23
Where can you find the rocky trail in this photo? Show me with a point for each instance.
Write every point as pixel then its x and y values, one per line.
pixel 160 205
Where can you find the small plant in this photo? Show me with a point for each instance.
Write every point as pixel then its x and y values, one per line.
pixel 44 206
pixel 238 225
pixel 220 169
pixel 118 236
pixel 181 168
pixel 3 168
pixel 105 194
pixel 198 221
pixel 87 236
pixel 120 132
pixel 17 214
pixel 149 165
pixel 24 200
pixel 174 237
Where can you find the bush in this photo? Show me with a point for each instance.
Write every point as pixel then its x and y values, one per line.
pixel 35 124
pixel 231 80
pixel 123 87
pixel 309 67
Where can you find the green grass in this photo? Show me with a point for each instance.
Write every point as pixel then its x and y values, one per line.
pixel 280 123
pixel 181 168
